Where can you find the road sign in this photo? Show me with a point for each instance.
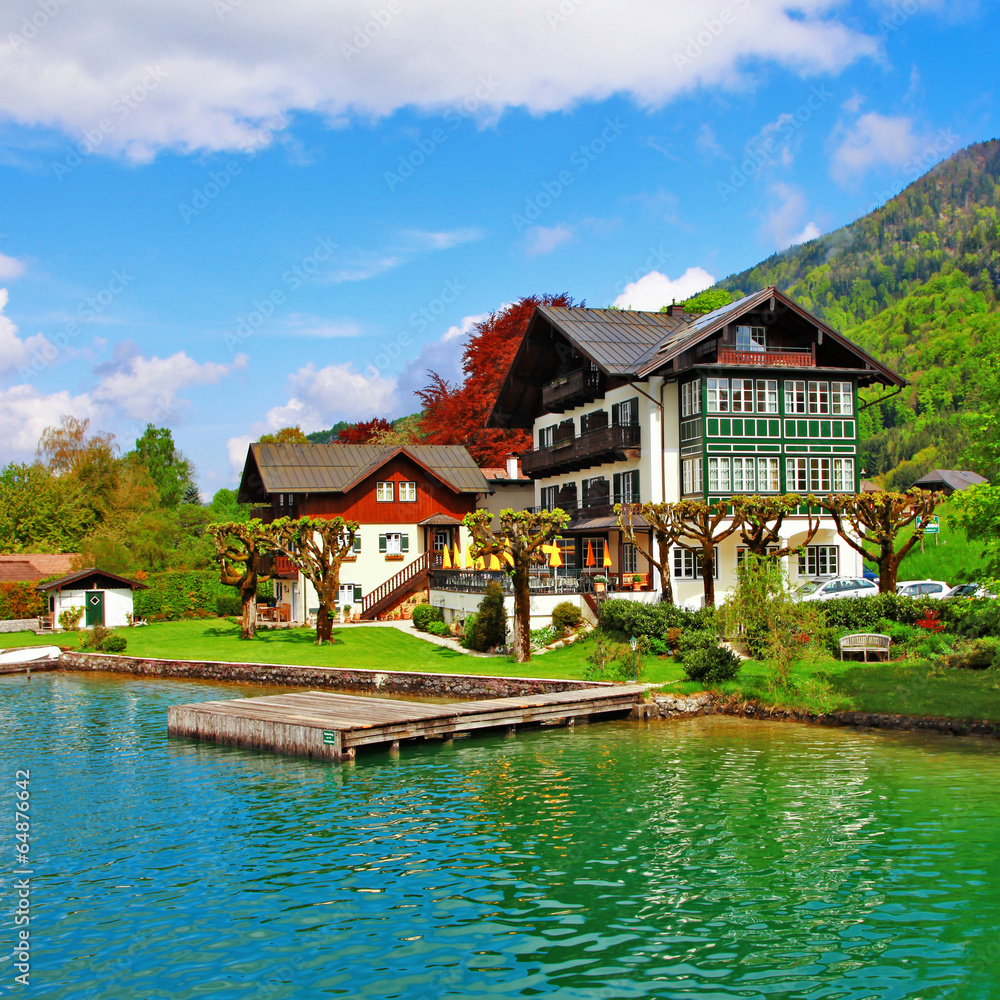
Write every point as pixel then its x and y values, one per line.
pixel 933 525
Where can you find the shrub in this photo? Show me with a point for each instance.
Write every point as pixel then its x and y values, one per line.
pixel 971 619
pixel 115 644
pixel 712 665
pixel 566 616
pixel 980 654
pixel 102 639
pixel 612 661
pixel 20 600
pixel 69 619
pixel 861 614
pixel 436 627
pixel 228 604
pixel 423 615
pixel 468 633
pixel 652 620
pixel 491 619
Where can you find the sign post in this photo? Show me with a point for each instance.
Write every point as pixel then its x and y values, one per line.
pixel 933 527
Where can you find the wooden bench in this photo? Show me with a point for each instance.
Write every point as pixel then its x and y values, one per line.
pixel 865 642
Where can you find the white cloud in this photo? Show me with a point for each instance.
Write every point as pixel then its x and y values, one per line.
pixel 303 325
pixel 36 351
pixel 192 75
pixel 785 215
pixel 25 413
pixel 874 140
pixel 707 143
pixel 360 265
pixel 11 268
pixel 541 240
pixel 654 290
pixel 147 388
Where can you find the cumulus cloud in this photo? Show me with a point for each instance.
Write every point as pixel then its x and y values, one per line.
pixel 190 75
pixel 654 290
pixel 17 353
pixel 874 140
pixel 25 412
pixel 11 268
pixel 541 240
pixel 784 221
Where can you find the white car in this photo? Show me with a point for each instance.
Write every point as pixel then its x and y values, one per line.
pixel 970 590
pixel 923 588
pixel 844 586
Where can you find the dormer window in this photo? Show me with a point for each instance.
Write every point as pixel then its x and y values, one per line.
pixel 751 338
pixel 385 492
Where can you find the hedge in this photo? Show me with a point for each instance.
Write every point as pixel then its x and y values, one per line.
pixel 634 619
pixel 189 594
pixel 20 600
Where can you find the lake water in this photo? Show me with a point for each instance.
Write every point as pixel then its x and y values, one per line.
pixel 712 858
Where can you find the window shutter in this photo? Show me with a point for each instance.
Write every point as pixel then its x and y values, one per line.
pixel 404 543
pixel 618 487
pixel 381 543
pixel 633 415
pixel 616 414
pixel 357 594
pixel 357 541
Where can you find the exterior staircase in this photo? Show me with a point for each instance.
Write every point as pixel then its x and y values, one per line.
pixel 408 579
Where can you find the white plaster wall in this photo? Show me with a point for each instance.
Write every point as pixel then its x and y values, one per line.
pixel 117 606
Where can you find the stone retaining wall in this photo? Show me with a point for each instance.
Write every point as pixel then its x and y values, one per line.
pixel 668 706
pixel 19 625
pixel 388 682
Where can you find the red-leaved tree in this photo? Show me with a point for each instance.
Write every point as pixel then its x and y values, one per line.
pixel 364 432
pixel 456 414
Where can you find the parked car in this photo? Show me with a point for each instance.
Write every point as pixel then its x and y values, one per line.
pixel 923 588
pixel 970 590
pixel 844 586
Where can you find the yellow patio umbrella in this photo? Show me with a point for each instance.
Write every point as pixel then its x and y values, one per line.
pixel 445 558
pixel 509 558
pixel 555 559
pixel 458 555
pixel 470 563
pixel 607 557
pixel 591 561
pixel 480 563
pixel 494 562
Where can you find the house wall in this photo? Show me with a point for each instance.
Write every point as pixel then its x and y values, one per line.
pixel 516 495
pixel 117 606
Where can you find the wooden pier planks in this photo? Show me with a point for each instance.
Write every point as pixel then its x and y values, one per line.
pixel 328 726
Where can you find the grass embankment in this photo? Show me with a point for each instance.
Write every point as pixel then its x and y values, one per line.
pixel 947 556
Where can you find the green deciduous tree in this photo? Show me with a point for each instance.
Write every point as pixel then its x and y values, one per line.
pixel 168 468
pixel 761 519
pixel 977 511
pixel 519 535
pixel 666 527
pixel 704 526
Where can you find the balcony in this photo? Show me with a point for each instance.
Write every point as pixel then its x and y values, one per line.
pixel 574 389
pixel 773 357
pixel 583 510
pixel 285 569
pixel 605 444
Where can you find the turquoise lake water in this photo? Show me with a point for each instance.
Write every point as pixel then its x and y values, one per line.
pixel 712 858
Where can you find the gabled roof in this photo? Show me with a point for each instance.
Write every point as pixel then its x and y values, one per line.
pixel 43 563
pixel 98 576
pixel 336 468
pixel 954 479
pixel 20 571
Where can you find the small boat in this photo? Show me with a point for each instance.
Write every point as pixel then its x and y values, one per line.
pixel 28 654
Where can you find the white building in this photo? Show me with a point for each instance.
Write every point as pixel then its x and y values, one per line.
pixel 106 598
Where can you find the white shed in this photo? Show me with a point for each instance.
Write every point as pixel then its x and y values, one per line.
pixel 105 597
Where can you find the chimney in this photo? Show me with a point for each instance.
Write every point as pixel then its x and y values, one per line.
pixel 512 472
pixel 672 307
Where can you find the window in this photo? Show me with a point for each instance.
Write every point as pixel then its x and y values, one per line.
pixel 819 475
pixel 742 395
pixel 385 492
pixel 549 497
pixel 408 492
pixel 744 475
pixel 626 487
pixel 357 542
pixel 843 475
pixel 797 475
pixel 691 398
pixel 768 480
pixel 767 395
pixel 546 436
pixel 751 338
pixel 742 550
pixel 567 552
pixel 718 475
pixel 842 398
pixel 630 558
pixel 819 397
pixel 687 565
pixel 691 475
pixel 393 543
pixel 718 395
pixel 819 560
pixel 795 397
pixel 595 492
pixel 350 593
pixel 625 414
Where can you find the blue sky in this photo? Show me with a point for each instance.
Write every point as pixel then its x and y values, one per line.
pixel 227 216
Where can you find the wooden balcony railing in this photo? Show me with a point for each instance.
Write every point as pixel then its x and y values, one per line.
pixel 606 444
pixel 581 386
pixel 778 357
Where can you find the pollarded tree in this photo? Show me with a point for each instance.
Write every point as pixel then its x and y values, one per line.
pixel 761 518
pixel 317 546
pixel 704 526
pixel 239 549
pixel 518 544
pixel 666 526
pixel 871 522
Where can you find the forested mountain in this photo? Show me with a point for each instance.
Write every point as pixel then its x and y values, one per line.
pixel 917 283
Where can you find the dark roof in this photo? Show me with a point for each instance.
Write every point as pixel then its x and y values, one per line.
pixel 336 468
pixel 98 576
pixel 953 479
pixel 438 519
pixel 20 571
pixel 42 563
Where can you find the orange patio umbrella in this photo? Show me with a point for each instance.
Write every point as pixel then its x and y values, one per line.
pixel 445 558
pixel 607 557
pixel 509 558
pixel 591 561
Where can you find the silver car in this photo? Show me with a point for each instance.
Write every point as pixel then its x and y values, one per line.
pixel 843 586
pixel 923 588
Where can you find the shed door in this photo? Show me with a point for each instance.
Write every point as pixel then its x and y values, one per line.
pixel 95 607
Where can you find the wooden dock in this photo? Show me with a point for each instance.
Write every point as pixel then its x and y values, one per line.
pixel 333 726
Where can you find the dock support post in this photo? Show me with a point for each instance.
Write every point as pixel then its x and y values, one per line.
pixel 394 746
pixel 512 730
